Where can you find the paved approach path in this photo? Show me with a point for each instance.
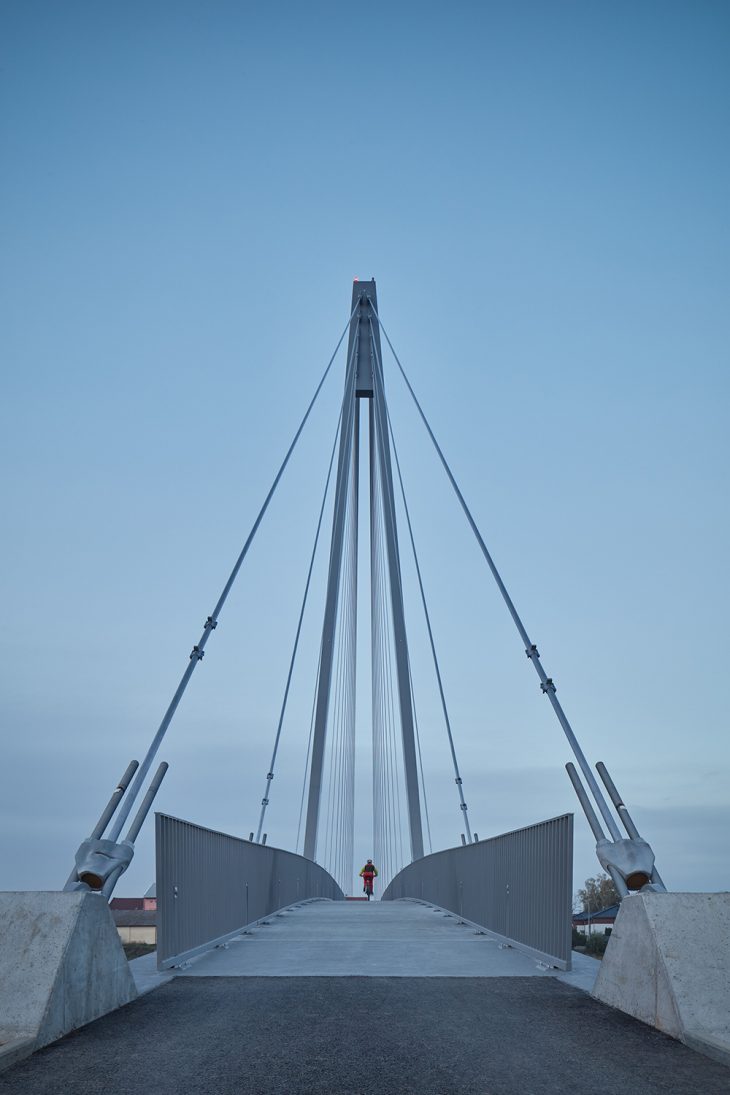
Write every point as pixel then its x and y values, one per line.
pixel 218 1031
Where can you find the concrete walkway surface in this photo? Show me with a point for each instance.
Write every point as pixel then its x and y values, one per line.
pixel 375 939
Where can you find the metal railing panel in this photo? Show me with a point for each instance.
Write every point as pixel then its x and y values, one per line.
pixel 211 885
pixel 517 886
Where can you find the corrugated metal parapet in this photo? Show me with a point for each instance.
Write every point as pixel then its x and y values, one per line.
pixel 517 886
pixel 210 885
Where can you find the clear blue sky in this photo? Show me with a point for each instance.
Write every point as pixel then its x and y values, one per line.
pixel 541 191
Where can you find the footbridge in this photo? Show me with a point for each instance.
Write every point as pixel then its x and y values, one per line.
pixel 268 974
pixel 396 996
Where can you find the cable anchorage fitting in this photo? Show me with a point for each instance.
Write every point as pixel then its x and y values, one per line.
pixel 547 685
pixel 210 624
pixel 196 652
pixel 532 651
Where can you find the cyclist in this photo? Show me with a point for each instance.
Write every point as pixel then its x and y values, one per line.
pixel 367 874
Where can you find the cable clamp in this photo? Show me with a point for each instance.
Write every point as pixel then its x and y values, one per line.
pixel 270 775
pixel 532 651
pixel 264 802
pixel 210 624
pixel 458 780
pixel 196 652
pixel 463 806
pixel 547 685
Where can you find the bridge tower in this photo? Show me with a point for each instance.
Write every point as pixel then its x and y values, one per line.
pixel 104 856
pixel 364 381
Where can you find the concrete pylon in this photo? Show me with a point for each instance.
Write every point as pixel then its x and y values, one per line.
pixel 668 964
pixel 61 966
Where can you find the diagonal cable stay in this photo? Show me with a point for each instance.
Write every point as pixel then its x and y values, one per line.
pixel 546 683
pixel 427 616
pixel 211 622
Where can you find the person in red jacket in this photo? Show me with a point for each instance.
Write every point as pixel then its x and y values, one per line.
pixel 367 874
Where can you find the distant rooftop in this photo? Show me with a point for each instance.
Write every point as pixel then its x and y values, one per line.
pixel 609 913
pixel 134 918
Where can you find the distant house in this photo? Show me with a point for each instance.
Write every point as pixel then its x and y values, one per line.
pixel 136 917
pixel 597 923
pixel 126 903
pixel 136 925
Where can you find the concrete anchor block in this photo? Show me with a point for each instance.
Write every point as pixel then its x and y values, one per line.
pixel 61 966
pixel 668 964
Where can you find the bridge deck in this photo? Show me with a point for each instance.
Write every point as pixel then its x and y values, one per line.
pixel 376 939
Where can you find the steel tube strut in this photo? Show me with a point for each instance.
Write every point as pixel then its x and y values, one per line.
pixel 585 802
pixel 149 798
pixel 108 812
pixel 324 682
pixel 623 813
pixel 546 683
pixel 410 762
pixel 270 775
pixel 616 799
pixel 595 824
pixel 134 828
pixel 211 623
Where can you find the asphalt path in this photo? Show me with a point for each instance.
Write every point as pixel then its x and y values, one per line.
pixel 396 1035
